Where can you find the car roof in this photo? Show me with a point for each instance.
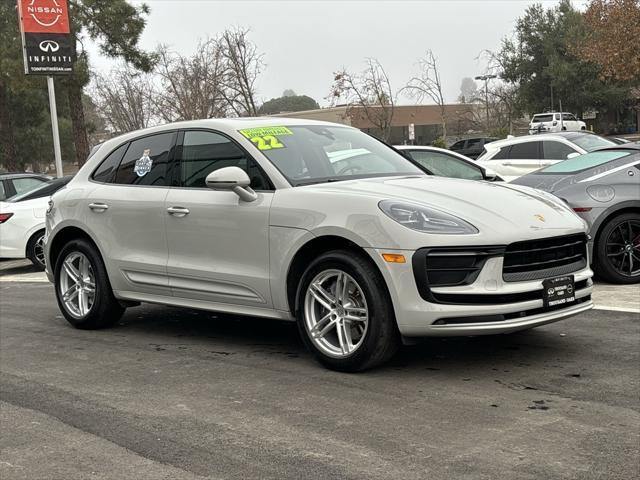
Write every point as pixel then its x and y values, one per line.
pixel 10 175
pixel 538 137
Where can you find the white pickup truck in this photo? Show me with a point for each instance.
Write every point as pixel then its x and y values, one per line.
pixel 555 122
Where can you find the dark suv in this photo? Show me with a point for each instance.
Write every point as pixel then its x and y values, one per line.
pixel 471 147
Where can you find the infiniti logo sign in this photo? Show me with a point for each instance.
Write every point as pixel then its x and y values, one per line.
pixel 49 46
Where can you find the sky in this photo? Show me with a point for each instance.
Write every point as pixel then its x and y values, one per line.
pixel 304 41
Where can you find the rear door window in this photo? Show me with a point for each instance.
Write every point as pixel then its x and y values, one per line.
pixel 556 150
pixel 146 161
pixel 524 151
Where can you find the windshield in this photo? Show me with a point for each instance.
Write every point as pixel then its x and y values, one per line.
pixel 317 153
pixel 584 162
pixel 590 142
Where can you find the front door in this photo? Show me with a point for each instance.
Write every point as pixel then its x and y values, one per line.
pixel 125 213
pixel 218 244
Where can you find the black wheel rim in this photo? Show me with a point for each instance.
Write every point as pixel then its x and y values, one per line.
pixel 623 248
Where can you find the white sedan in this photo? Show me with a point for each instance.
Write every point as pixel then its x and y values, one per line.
pixel 269 217
pixel 22 222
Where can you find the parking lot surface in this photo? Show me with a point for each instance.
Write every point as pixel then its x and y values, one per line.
pixel 179 394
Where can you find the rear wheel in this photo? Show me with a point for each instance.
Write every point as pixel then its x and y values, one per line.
pixel 35 249
pixel 345 315
pixel 617 253
pixel 83 290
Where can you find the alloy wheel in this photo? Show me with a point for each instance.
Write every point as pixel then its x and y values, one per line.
pixel 623 248
pixel 335 313
pixel 77 284
pixel 38 250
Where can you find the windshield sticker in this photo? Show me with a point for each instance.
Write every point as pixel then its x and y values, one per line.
pixel 143 164
pixel 265 138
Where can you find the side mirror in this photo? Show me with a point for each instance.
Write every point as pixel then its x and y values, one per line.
pixel 573 155
pixel 234 179
pixel 490 176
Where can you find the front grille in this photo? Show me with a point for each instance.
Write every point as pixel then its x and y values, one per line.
pixel 548 257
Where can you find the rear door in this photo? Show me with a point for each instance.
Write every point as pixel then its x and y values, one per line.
pixel 125 212
pixel 513 161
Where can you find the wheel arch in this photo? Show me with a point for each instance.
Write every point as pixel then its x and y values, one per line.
pixel 64 236
pixel 312 249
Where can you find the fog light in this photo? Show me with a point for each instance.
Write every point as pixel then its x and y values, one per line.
pixel 394 258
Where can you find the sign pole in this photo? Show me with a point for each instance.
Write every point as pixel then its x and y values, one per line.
pixel 54 126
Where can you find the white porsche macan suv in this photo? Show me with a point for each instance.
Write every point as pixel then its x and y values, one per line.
pixel 261 217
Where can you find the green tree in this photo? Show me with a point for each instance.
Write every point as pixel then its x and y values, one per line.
pixel 540 59
pixel 288 103
pixel 116 26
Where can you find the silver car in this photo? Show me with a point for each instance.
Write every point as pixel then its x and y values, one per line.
pixel 602 187
pixel 260 217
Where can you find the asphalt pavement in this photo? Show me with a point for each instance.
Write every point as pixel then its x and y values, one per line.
pixel 179 394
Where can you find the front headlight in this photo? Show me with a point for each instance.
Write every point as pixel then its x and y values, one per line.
pixel 425 219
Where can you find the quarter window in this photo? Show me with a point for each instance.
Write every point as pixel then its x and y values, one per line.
pixel 204 152
pixel 105 173
pixel 145 162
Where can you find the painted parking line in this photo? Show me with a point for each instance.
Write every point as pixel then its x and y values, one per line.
pixel 38 277
pixel 616 309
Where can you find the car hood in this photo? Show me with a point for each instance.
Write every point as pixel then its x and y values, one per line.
pixel 546 182
pixel 487 205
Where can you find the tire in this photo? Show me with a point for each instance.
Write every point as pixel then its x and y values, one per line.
pixel 617 251
pixel 35 249
pixel 101 309
pixel 374 341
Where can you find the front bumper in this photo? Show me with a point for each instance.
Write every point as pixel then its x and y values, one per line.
pixel 417 317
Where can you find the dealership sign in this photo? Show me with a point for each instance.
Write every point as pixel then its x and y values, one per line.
pixel 49 47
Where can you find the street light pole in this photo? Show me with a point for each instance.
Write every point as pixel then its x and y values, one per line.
pixel 485 79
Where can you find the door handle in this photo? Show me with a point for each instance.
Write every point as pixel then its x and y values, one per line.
pixel 178 211
pixel 98 207
pixel 507 164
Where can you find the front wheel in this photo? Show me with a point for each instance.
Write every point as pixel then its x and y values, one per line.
pixel 617 253
pixel 83 290
pixel 344 311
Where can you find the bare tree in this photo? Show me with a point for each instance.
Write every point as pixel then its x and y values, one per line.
pixel 242 65
pixel 190 87
pixel 123 98
pixel 427 84
pixel 370 92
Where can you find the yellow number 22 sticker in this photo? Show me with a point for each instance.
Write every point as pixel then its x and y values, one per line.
pixel 266 138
